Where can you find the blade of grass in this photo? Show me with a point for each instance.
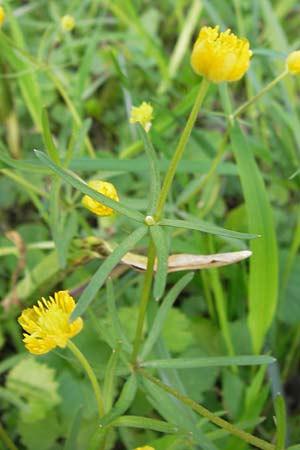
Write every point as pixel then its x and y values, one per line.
pixel 50 146
pixel 145 424
pixel 263 278
pixel 109 379
pixel 161 247
pixel 280 422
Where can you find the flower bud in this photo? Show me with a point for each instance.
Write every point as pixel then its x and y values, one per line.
pixel 104 188
pixel 293 62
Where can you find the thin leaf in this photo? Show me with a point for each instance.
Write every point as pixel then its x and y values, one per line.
pixel 71 439
pixel 263 278
pixel 201 225
pixel 104 270
pixel 162 313
pixel 217 361
pixel 109 379
pixel 48 140
pixel 161 247
pixel 280 422
pixel 145 424
pixel 79 184
pixel 113 313
pixel 155 186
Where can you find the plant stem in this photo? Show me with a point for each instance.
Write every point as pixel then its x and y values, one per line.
pixel 6 439
pixel 180 148
pixel 144 301
pixel 252 100
pixel 247 437
pixel 90 373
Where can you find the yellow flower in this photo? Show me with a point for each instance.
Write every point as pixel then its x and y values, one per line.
pixel 2 15
pixel 220 56
pixel 47 325
pixel 67 22
pixel 142 114
pixel 147 447
pixel 104 188
pixel 293 63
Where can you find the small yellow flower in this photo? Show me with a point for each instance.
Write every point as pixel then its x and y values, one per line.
pixel 142 114
pixel 2 15
pixel 293 62
pixel 67 22
pixel 147 447
pixel 220 56
pixel 104 188
pixel 47 325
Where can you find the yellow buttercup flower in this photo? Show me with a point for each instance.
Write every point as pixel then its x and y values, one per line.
pixel 104 188
pixel 2 15
pixel 293 62
pixel 142 114
pixel 147 447
pixel 47 324
pixel 67 22
pixel 220 56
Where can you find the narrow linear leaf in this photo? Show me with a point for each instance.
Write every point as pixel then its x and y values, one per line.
pixel 280 422
pixel 123 403
pixel 163 311
pixel 155 185
pixel 109 379
pixel 48 140
pixel 70 443
pixel 263 277
pixel 113 312
pixel 145 424
pixel 219 361
pixel 104 270
pixel 200 225
pixel 79 184
pixel 161 246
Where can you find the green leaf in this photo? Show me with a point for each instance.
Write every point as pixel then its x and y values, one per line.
pixel 79 184
pixel 105 268
pixel 162 313
pixel 145 424
pixel 201 225
pixel 161 247
pixel 263 278
pixel 280 422
pixel 109 379
pixel 50 146
pixel 217 361
pixel 114 316
pixel 70 443
pixel 155 186
pixel 35 382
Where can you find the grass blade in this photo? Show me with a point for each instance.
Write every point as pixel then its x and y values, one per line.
pixel 161 246
pixel 109 379
pixel 145 424
pixel 263 278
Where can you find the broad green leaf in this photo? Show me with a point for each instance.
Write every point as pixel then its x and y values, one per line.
pixel 162 313
pixel 35 382
pixel 161 247
pixel 217 361
pixel 105 268
pixel 263 278
pixel 201 225
pixel 79 184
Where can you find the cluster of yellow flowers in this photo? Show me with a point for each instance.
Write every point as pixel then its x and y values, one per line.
pixel 218 57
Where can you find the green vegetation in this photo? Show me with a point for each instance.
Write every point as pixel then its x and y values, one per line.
pixel 176 352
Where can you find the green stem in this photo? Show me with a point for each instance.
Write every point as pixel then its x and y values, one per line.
pixel 90 373
pixel 247 437
pixel 180 148
pixel 6 439
pixel 144 301
pixel 256 97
